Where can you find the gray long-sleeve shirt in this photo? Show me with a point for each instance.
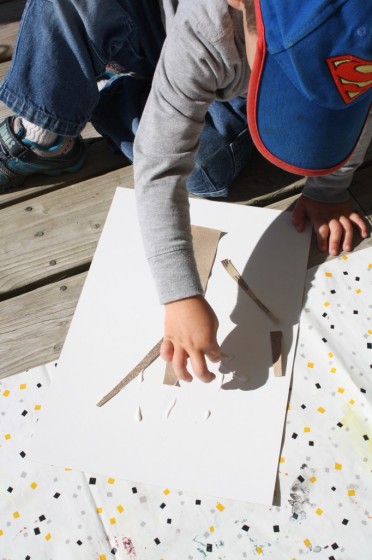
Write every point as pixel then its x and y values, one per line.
pixel 203 59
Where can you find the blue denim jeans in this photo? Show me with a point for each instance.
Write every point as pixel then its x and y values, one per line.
pixel 62 51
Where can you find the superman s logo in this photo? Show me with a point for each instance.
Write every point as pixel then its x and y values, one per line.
pixel 352 75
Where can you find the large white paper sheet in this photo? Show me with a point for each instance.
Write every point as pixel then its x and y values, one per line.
pixel 232 454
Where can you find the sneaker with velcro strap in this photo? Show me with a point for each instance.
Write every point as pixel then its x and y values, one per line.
pixel 20 158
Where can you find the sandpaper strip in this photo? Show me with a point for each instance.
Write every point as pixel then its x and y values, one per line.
pixel 230 268
pixel 276 349
pixel 205 242
pixel 143 364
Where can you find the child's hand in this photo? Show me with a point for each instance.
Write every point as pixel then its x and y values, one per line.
pixel 190 332
pixel 333 223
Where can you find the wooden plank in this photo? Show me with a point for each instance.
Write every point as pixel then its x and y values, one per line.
pixel 33 326
pixel 8 33
pixel 11 10
pixel 55 233
pixel 10 14
pixel 3 70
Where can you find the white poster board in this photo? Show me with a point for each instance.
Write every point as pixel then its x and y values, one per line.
pixel 221 439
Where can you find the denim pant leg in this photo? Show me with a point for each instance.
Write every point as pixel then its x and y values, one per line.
pixel 63 47
pixel 122 100
pixel 225 149
pixel 117 115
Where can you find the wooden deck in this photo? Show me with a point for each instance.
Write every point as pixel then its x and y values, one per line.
pixel 50 228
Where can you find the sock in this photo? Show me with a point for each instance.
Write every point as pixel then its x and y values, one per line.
pixel 112 69
pixel 36 134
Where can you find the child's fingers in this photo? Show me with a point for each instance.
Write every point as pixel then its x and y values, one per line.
pixel 322 234
pixel 166 350
pixel 180 364
pixel 360 224
pixel 214 353
pixel 348 232
pixel 298 217
pixel 200 368
pixel 335 236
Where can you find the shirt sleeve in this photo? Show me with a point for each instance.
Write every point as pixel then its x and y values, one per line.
pixel 191 69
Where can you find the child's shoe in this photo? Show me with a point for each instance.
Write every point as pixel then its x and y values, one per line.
pixel 21 158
